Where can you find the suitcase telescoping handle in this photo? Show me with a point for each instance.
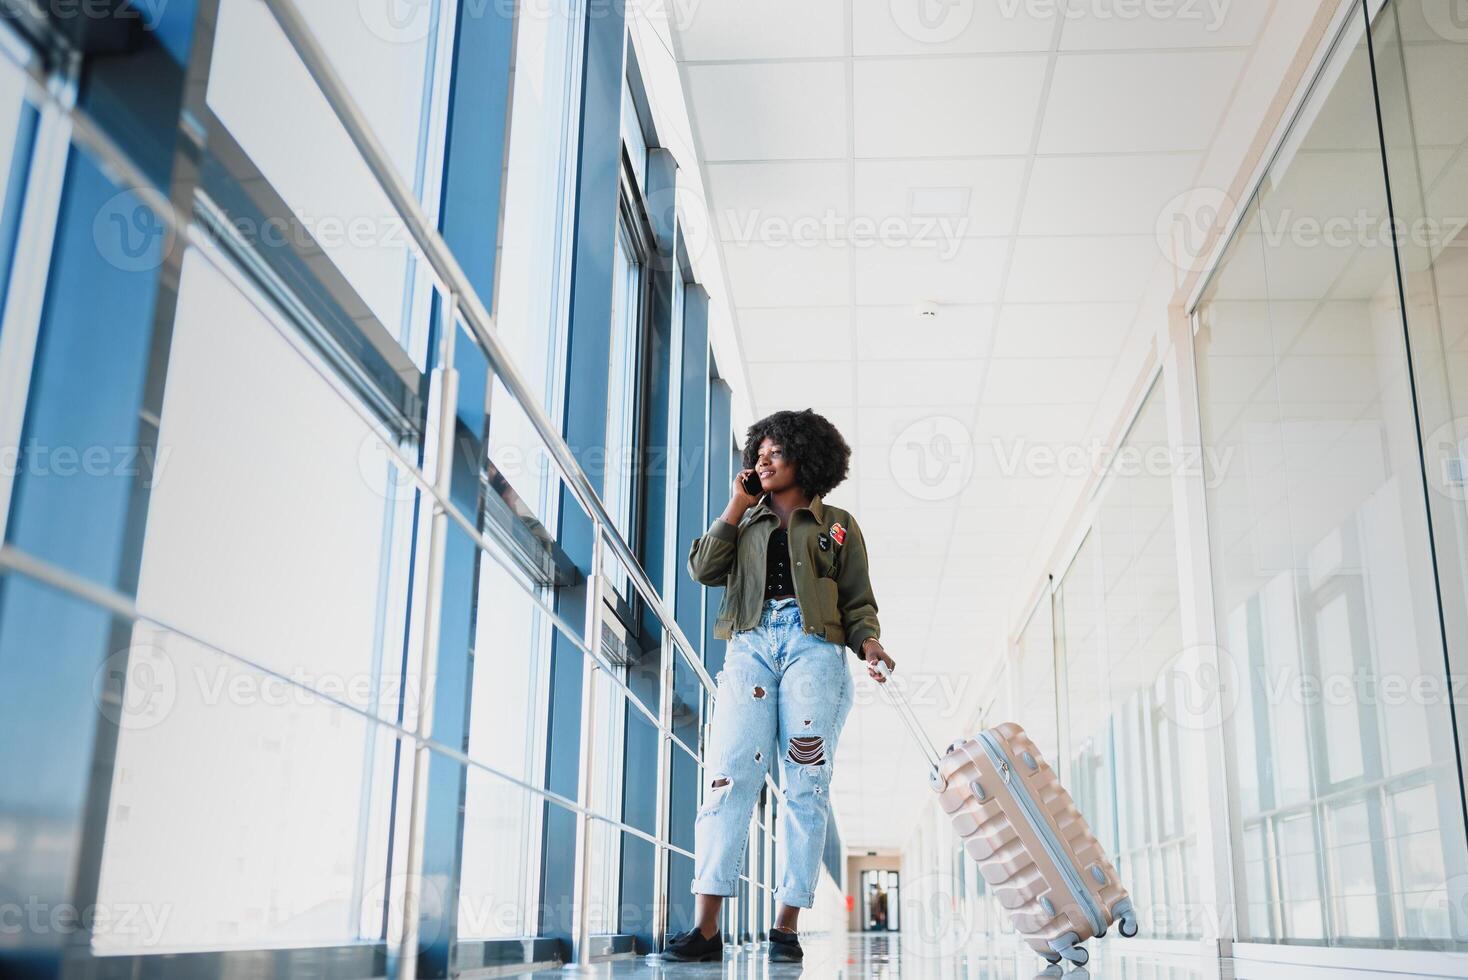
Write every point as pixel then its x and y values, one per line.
pixel 914 727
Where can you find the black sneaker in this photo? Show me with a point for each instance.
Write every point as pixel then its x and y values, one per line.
pixel 785 947
pixel 691 947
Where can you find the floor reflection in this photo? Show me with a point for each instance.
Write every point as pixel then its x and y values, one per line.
pixel 889 955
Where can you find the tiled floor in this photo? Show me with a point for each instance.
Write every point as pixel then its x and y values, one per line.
pixel 888 955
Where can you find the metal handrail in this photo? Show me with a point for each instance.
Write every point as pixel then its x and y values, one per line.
pixel 14 560
pixel 441 499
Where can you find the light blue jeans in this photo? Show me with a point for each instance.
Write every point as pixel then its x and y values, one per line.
pixel 784 694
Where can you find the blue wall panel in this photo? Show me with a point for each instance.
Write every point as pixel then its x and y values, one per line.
pixel 692 455
pixel 688 697
pixel 475 151
pixel 721 479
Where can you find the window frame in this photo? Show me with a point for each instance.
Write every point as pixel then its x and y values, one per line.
pixel 633 220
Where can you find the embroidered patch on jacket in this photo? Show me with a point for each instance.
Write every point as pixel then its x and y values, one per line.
pixel 824 541
pixel 838 533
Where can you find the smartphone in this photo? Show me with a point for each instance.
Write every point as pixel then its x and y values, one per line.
pixel 752 485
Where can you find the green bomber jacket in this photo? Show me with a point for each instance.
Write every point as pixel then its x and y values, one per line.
pixel 828 561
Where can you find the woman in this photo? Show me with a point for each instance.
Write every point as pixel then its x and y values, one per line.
pixel 794 572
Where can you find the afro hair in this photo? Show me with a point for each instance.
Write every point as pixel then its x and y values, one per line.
pixel 812 445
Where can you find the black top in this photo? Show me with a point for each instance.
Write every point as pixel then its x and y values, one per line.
pixel 778 583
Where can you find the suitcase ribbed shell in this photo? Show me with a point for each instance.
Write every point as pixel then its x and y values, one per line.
pixel 998 833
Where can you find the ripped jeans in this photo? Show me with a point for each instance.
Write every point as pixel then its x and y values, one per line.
pixel 783 693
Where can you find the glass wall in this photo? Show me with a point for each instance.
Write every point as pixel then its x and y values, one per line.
pixel 389 64
pixel 298 649
pixel 1035 682
pixel 17 125
pixel 1421 49
pixel 1091 676
pixel 1127 760
pixel 228 758
pixel 1344 787
pixel 503 827
pixel 1331 351
pixel 628 259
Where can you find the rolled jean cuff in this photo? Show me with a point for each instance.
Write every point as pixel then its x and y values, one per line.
pixel 702 886
pixel 796 900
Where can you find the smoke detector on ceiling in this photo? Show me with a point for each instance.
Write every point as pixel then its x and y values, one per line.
pixel 926 310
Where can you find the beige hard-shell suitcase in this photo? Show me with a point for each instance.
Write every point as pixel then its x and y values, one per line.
pixel 1033 846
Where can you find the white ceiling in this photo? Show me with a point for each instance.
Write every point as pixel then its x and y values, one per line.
pixel 1047 150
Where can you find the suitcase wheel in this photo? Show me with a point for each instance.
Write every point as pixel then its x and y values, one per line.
pixel 1069 947
pixel 1051 958
pixel 1126 918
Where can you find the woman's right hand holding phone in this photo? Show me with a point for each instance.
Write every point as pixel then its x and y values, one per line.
pixel 741 499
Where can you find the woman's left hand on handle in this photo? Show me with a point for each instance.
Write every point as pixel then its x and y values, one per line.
pixel 873 654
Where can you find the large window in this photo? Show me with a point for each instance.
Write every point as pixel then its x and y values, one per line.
pixel 1331 352
pixel 533 283
pixel 1344 787
pixel 624 392
pixel 1421 50
pixel 17 126
pixel 389 62
pixel 498 888
pixel 1128 759
pixel 231 753
pixel 300 673
pixel 626 749
pixel 1036 680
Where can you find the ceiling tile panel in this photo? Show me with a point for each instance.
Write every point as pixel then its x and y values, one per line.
pixel 772 111
pixel 1110 269
pixel 1047 380
pixel 1169 24
pixel 1105 195
pixel 775 383
pixel 945 383
pixel 1050 424
pixel 1062 329
pixel 949 272
pixel 788 275
pixel 960 198
pixel 922 27
pixel 779 202
pixel 898 333
pixel 1137 102
pixel 710 31
pixel 911 107
pixel 795 333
